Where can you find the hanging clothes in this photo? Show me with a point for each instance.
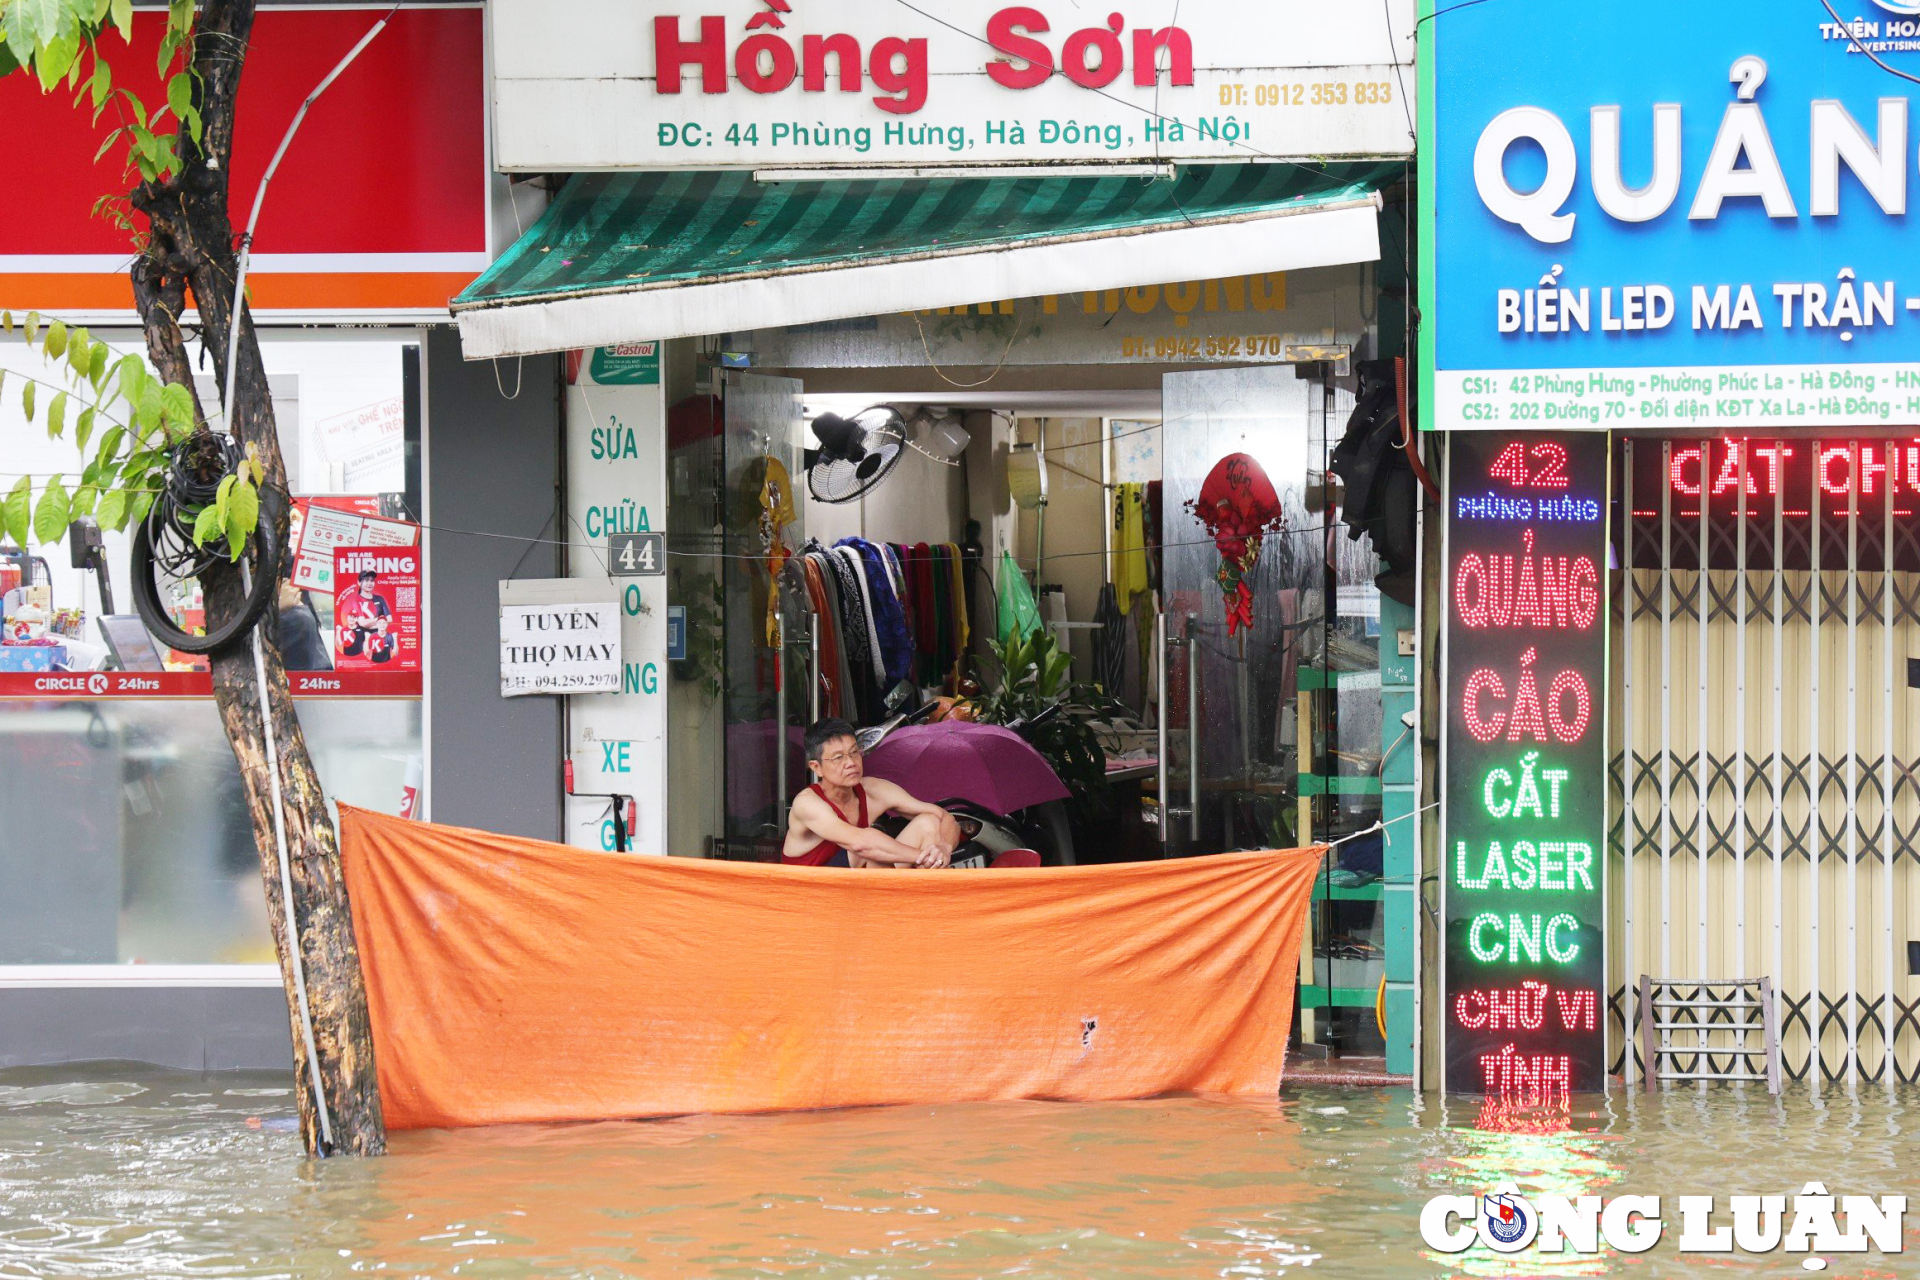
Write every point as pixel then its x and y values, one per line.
pixel 858 642
pixel 828 624
pixel 1128 572
pixel 962 637
pixel 893 642
pixel 773 490
pixel 1109 643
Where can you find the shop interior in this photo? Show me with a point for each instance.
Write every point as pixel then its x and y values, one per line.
pixel 1139 565
pixel 169 875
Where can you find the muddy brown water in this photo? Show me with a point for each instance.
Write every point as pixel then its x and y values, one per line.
pixel 125 1171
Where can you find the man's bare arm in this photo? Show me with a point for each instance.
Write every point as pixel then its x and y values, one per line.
pixel 823 822
pixel 891 797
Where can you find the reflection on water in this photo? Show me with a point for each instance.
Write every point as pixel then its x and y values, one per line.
pixel 130 1172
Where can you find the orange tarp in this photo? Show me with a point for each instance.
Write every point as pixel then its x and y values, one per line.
pixel 514 980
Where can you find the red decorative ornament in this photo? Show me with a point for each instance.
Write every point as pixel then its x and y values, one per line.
pixel 1239 507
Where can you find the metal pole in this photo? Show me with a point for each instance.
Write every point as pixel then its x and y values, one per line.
pixel 1193 735
pixel 1703 609
pixel 1886 760
pixel 1666 712
pixel 780 718
pixel 1160 651
pixel 1853 760
pixel 813 668
pixel 1627 777
pixel 1891 1070
pixel 1815 594
pixel 1743 463
pixel 1779 728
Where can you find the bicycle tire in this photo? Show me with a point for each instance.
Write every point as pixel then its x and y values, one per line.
pixel 265 559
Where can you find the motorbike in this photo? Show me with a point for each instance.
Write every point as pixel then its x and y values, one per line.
pixel 985 835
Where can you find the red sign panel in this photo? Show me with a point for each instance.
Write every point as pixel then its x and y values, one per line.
pixel 381 204
pixel 91 686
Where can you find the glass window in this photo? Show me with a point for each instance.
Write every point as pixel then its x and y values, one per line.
pixel 124 834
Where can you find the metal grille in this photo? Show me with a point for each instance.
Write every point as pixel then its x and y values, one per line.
pixel 1766 801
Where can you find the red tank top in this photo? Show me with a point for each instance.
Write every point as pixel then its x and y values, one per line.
pixel 822 853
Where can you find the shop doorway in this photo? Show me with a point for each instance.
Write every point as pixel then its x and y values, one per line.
pixel 1766 784
pixel 1246 657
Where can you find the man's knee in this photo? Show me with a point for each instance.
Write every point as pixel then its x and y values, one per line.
pixel 922 830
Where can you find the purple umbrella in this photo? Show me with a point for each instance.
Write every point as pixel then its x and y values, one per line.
pixel 958 760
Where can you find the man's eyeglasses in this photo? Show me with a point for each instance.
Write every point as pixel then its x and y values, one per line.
pixel 839 758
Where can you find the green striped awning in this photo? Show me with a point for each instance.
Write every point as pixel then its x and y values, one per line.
pixel 624 257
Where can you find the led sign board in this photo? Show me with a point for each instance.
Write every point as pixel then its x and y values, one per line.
pixel 1702 219
pixel 1758 477
pixel 1524 814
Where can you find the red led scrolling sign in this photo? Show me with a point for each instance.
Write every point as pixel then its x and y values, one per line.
pixel 1525 765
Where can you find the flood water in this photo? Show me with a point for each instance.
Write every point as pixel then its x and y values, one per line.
pixel 122 1171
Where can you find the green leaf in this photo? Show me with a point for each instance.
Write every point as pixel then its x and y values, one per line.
pixel 147 410
pixel 83 428
pixel 56 344
pixel 15 512
pixel 51 517
pixel 83 499
pixel 122 11
pixel 102 82
pixel 8 63
pixel 138 505
pixel 79 348
pixel 97 364
pixel 26 400
pixel 131 376
pixel 33 325
pixel 221 497
pixel 57 416
pixel 243 514
pixel 112 512
pixel 54 59
pixel 177 402
pixel 110 444
pixel 206 526
pixel 180 94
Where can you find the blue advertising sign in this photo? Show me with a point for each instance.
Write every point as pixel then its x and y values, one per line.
pixel 1645 214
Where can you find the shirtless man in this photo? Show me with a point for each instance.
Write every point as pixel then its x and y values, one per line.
pixel 830 822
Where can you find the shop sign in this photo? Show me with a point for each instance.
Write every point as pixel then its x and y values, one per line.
pixel 90 686
pixel 616 498
pixel 1262 318
pixel 558 635
pixel 627 364
pixel 1760 479
pixel 611 84
pixel 1693 224
pixel 1523 817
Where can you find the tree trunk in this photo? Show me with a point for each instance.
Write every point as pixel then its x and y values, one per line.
pixel 191 251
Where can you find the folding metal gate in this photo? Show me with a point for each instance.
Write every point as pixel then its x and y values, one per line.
pixel 1769 736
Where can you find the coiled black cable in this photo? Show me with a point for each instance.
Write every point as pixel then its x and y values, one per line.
pixel 163 543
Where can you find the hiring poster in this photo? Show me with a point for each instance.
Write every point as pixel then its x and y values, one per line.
pixel 319 529
pixel 376 608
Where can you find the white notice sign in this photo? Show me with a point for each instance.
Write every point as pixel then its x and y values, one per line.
pixel 559 635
